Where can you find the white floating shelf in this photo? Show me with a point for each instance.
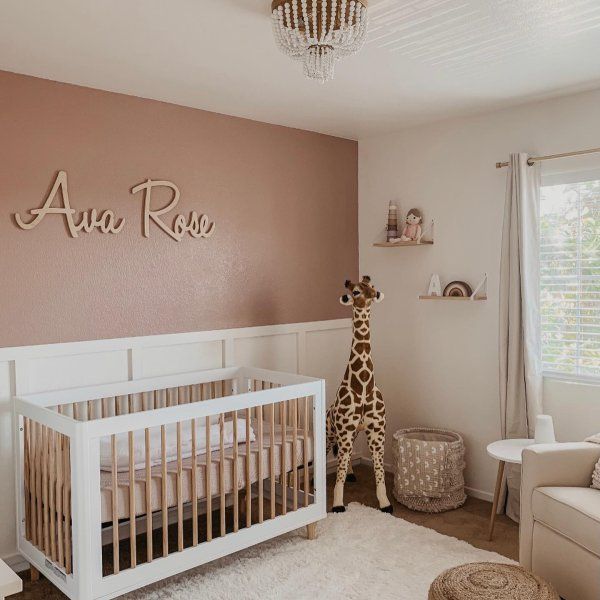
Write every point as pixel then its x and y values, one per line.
pixel 462 298
pixel 394 244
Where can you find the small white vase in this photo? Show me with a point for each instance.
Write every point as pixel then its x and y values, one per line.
pixel 544 430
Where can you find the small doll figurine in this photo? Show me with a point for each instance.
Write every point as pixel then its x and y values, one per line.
pixel 412 229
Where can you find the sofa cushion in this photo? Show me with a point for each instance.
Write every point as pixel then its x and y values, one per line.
pixel 571 511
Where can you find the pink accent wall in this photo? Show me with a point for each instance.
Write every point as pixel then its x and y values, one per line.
pixel 284 202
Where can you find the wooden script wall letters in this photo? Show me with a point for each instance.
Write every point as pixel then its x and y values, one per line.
pixel 198 226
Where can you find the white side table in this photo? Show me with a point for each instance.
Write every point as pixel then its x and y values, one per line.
pixel 10 582
pixel 505 451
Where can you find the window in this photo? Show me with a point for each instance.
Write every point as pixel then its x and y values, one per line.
pixel 570 275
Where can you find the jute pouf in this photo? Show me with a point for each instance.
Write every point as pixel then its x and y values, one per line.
pixel 490 581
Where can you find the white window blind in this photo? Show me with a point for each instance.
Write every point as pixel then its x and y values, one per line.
pixel 570 276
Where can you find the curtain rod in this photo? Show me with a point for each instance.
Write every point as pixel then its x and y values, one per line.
pixel 535 159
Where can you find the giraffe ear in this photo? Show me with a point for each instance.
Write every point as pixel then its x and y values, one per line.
pixel 379 297
pixel 366 279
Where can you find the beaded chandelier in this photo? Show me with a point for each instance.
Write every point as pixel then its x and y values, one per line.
pixel 319 32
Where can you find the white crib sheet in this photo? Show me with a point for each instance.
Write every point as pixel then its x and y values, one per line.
pixel 139 444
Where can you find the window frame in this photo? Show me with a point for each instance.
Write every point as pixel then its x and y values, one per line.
pixel 564 178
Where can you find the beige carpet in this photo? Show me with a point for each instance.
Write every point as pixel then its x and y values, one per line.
pixel 359 554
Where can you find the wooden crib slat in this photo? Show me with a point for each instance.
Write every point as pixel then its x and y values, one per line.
pixel 26 471
pixel 26 477
pixel 179 486
pixel 208 483
pixel 259 418
pixel 235 475
pixel 51 492
pixel 222 472
pixel 295 451
pixel 46 517
pixel 194 482
pixel 272 459
pixel 67 505
pixel 38 487
pixel 163 490
pixel 248 478
pixel 148 500
pixel 305 454
pixel 283 477
pixel 132 534
pixel 59 499
pixel 115 513
pixel 33 466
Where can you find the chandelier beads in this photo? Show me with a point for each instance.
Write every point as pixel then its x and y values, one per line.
pixel 319 32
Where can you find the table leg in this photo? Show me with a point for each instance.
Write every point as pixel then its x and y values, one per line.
pixel 496 496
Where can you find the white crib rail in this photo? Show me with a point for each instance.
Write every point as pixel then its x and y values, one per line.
pixel 86 580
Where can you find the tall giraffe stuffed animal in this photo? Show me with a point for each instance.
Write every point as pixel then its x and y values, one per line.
pixel 359 403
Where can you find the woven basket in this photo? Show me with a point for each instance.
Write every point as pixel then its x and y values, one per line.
pixel 490 581
pixel 428 469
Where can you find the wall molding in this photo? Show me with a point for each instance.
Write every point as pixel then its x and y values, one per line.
pixel 21 358
pixel 167 339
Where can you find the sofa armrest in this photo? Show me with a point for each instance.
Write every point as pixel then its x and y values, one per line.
pixel 569 465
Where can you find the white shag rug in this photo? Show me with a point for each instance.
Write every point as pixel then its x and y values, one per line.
pixel 362 553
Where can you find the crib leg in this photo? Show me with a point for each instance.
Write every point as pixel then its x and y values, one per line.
pixel 311 531
pixel 34 574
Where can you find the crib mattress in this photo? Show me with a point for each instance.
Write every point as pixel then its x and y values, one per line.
pixel 123 479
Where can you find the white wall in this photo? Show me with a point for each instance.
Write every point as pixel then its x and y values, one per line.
pixel 318 349
pixel 436 362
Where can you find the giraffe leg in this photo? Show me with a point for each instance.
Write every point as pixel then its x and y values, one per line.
pixel 345 441
pixel 329 433
pixel 375 440
pixel 338 490
pixel 350 476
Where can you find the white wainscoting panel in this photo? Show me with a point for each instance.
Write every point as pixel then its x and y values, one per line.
pixel 318 348
pixel 7 475
pixel 46 373
pixel 181 358
pixel 276 352
pixel 5 379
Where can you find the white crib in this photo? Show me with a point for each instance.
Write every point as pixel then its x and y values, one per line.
pixel 124 484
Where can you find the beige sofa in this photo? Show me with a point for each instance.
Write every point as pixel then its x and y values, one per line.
pixel 560 518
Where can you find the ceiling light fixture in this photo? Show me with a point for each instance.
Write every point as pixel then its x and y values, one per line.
pixel 319 32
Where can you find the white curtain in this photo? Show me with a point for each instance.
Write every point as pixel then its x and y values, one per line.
pixel 520 352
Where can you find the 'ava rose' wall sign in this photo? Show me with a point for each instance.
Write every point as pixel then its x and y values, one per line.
pixel 198 226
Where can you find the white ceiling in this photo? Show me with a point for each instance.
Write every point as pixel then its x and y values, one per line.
pixel 424 60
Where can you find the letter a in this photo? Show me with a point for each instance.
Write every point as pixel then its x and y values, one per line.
pixel 60 183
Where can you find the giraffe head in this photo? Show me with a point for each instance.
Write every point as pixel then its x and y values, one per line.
pixel 362 294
